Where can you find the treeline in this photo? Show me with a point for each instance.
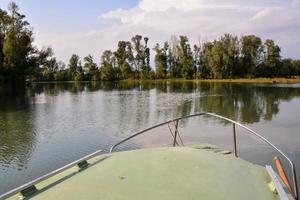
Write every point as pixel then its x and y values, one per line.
pixel 131 60
pixel 226 57
pixel 19 59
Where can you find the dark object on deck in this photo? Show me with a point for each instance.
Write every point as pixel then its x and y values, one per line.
pixel 29 191
pixel 82 165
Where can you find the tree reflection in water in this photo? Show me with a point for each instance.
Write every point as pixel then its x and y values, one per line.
pixel 17 135
pixel 108 111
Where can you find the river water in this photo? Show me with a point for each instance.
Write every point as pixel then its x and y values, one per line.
pixel 46 126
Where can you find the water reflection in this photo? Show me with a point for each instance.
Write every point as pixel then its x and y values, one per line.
pixel 17 136
pixel 48 125
pixel 247 103
pixel 243 102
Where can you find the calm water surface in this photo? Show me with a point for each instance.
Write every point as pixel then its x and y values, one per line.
pixel 46 126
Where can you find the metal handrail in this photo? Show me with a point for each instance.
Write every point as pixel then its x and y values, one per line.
pixel 44 177
pixel 176 120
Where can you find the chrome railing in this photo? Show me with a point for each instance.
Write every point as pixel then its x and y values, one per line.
pixel 30 188
pixel 234 124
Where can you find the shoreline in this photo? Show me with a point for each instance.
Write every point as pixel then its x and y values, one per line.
pixel 237 80
pixel 233 80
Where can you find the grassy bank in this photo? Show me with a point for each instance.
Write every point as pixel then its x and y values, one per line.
pixel 237 80
pixel 254 80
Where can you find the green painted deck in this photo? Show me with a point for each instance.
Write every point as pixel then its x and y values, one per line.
pixel 161 173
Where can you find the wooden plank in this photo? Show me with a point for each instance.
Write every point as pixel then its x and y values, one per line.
pixel 281 192
pixel 282 173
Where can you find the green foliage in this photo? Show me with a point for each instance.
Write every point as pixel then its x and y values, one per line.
pixel 141 57
pixel 75 68
pixel 107 70
pixel 206 65
pixel 125 60
pixel 16 44
pixel 174 67
pixel 90 69
pixel 161 61
pixel 226 57
pixel 185 58
pixel 272 60
pixel 197 61
pixel 286 69
pixel 295 71
pixel 220 58
pixel 217 59
pixel 230 55
pixel 251 55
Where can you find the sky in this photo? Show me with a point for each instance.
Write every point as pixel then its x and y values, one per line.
pixel 92 26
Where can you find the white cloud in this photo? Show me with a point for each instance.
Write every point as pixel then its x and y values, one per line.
pixel 205 19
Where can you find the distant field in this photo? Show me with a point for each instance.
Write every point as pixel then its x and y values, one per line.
pixel 255 80
pixel 237 80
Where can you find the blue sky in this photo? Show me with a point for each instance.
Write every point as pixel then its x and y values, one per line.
pixel 92 26
pixel 67 15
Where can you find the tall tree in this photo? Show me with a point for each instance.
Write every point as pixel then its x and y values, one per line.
pixel 295 68
pixel 139 55
pixel 107 69
pixel 90 68
pixel 147 55
pixel 174 69
pixel 161 60
pixel 17 44
pixel 217 59
pixel 75 68
pixel 185 56
pixel 124 58
pixel 142 57
pixel 272 59
pixel 230 55
pixel 4 22
pixel 197 60
pixel 251 55
pixel 286 68
pixel 49 69
pixel 205 69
